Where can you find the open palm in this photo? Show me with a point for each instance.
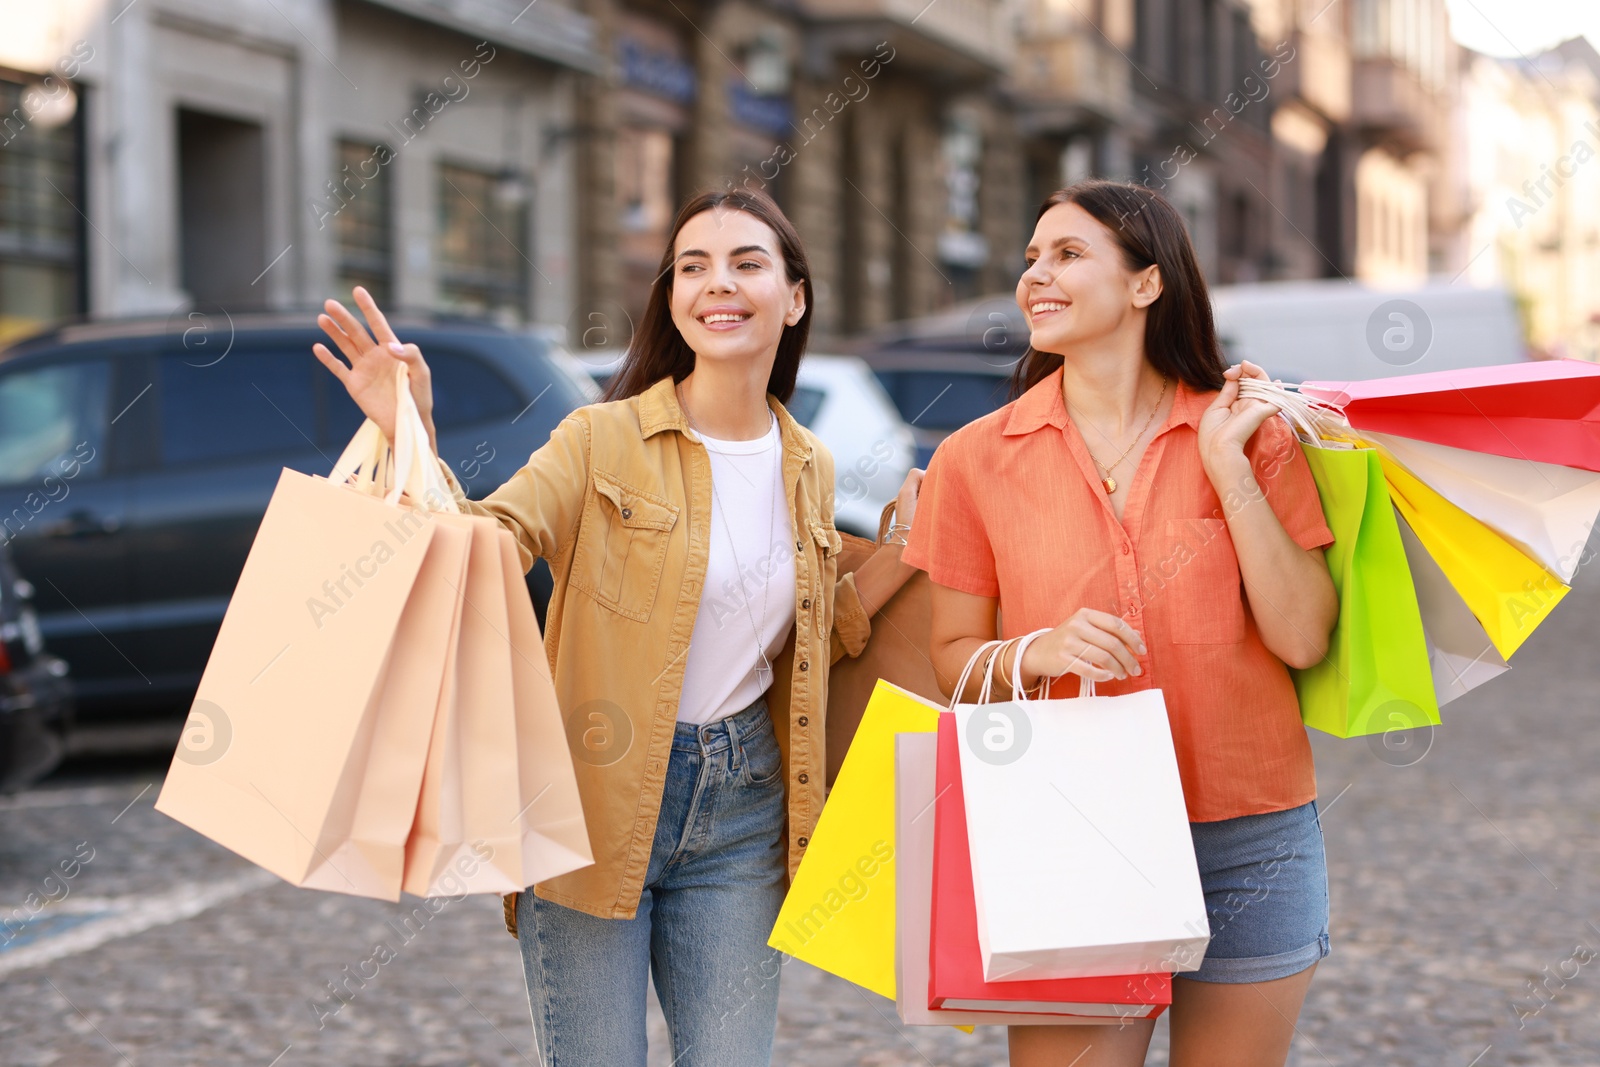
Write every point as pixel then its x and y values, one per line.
pixel 370 376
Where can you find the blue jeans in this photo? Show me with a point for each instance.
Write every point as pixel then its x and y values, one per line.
pixel 711 895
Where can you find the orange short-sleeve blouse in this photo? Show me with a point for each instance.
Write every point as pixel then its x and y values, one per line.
pixel 1012 507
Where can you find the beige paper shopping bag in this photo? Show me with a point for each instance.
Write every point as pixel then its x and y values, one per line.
pixel 555 839
pixel 316 707
pixel 287 704
pixel 465 837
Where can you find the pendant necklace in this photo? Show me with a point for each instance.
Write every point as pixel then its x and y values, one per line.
pixel 1108 483
pixel 763 664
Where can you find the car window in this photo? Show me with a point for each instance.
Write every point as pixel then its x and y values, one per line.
pixel 805 404
pixel 252 403
pixel 466 391
pixel 50 415
pixel 943 400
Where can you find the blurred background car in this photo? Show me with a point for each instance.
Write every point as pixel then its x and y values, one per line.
pixel 35 691
pixel 1337 331
pixel 839 399
pixel 137 459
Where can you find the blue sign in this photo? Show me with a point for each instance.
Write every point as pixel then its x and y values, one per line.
pixel 658 73
pixel 759 110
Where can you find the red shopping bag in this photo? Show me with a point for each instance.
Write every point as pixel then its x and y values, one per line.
pixel 955 960
pixel 1547 411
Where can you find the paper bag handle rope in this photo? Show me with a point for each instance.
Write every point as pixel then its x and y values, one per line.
pixel 986 689
pixel 1316 421
pixel 371 466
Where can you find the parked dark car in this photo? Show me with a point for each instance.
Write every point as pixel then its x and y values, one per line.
pixel 944 370
pixel 35 694
pixel 137 459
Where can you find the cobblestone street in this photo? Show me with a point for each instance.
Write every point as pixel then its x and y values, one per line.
pixel 1466 917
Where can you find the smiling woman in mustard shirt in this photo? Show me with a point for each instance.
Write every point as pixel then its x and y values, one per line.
pixel 688 521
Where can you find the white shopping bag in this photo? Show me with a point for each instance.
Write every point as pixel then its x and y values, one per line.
pixel 1461 654
pixel 1544 509
pixel 1082 862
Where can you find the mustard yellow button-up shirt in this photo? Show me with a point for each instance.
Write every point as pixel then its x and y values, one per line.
pixel 619 502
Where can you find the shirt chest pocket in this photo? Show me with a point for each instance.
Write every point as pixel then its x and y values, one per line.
pixel 622 546
pixel 1204 600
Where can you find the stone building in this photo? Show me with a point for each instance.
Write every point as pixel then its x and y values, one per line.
pixel 1300 138
pixel 237 154
pixel 877 126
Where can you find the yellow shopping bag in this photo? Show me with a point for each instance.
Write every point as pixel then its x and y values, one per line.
pixel 1509 593
pixel 839 912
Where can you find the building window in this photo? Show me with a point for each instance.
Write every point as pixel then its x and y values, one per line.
pixel 482 230
pixel 40 228
pixel 363 228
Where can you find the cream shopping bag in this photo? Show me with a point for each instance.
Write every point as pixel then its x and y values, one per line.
pixel 1082 862
pixel 307 738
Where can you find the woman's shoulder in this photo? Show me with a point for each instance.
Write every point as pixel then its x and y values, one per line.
pixel 980 437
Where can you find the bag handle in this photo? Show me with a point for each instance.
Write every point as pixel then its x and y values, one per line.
pixel 372 466
pixel 884 519
pixel 966 672
pixel 1315 421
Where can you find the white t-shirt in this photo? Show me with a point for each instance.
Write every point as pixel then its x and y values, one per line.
pixel 719 674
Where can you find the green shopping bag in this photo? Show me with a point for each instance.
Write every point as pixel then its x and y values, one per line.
pixel 1376 676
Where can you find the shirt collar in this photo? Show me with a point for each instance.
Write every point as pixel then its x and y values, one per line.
pixel 1042 405
pixel 659 410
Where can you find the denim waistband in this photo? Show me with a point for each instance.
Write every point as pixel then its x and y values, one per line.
pixel 721 734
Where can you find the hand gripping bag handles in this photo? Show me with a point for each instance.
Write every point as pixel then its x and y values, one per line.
pixel 1082 862
pixel 307 743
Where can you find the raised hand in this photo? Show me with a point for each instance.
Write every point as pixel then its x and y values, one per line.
pixel 370 376
pixel 1229 423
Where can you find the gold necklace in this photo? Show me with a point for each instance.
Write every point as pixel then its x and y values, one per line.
pixel 1109 483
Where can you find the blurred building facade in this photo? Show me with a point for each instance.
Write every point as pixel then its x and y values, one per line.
pixel 494 156
pixel 1530 155
pixel 878 126
pixel 241 154
pixel 1301 138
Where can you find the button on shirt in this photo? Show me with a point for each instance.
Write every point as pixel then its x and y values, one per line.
pixel 1012 507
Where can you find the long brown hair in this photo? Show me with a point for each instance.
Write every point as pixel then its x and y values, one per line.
pixel 658 349
pixel 1180 338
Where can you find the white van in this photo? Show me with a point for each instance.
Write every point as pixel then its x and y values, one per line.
pixel 1342 331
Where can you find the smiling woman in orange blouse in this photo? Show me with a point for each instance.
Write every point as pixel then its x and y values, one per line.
pixel 1163 533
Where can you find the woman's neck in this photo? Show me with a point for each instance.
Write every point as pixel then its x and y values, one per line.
pixel 1113 388
pixel 727 402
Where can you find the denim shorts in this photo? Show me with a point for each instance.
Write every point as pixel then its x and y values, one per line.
pixel 1265 879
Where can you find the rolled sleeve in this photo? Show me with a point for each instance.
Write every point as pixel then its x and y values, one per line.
pixel 1285 477
pixel 851 624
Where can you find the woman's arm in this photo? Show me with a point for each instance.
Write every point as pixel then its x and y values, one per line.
pixel 1290 592
pixel 882 576
pixel 859 594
